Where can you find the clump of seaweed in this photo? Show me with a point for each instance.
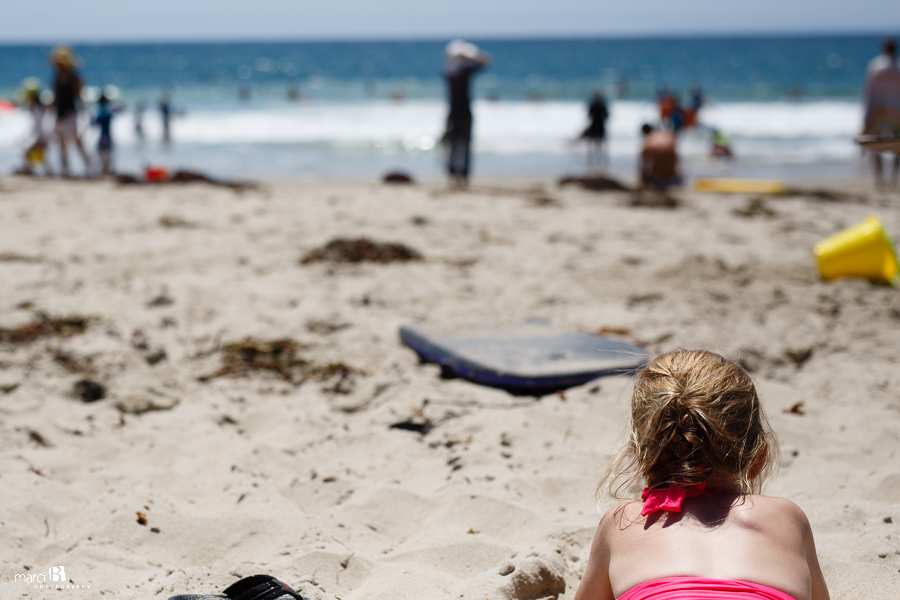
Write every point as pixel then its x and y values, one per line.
pixel 597 183
pixel 71 362
pixel 16 257
pixel 43 326
pixel 343 250
pixel 755 207
pixel 174 221
pixel 240 359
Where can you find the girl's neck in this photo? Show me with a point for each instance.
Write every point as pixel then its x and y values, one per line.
pixel 722 485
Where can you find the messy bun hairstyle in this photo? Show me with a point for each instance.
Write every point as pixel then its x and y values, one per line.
pixel 694 416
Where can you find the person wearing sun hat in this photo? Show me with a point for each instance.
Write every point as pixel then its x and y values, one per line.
pixel 462 59
pixel 66 102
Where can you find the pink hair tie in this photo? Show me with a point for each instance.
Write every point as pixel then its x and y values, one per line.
pixel 670 498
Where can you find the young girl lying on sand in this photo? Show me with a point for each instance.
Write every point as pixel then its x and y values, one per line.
pixel 700 443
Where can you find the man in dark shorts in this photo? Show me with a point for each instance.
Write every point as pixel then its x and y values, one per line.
pixel 462 60
pixel 595 134
pixel 66 102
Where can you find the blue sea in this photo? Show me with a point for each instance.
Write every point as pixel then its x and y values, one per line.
pixel 355 109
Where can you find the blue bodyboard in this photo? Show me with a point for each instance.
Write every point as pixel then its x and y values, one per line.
pixel 529 358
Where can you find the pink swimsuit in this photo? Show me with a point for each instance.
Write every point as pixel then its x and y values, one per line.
pixel 692 588
pixel 699 588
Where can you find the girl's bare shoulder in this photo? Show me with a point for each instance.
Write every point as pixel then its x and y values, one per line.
pixel 620 515
pixel 767 511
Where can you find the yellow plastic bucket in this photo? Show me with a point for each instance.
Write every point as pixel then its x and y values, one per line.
pixel 864 250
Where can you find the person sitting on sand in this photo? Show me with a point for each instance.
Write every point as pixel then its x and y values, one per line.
pixel 882 101
pixel 699 441
pixel 721 145
pixel 658 166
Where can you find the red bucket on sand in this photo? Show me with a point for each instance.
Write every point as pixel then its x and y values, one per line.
pixel 156 174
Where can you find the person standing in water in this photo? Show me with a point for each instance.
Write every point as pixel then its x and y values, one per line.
pixel 165 113
pixel 67 102
pixel 595 134
pixel 139 109
pixel 462 60
pixel 103 120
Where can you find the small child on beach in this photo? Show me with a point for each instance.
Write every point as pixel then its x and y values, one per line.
pixel 36 147
pixel 103 120
pixel 700 443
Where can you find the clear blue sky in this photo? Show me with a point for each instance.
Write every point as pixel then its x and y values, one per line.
pixel 107 20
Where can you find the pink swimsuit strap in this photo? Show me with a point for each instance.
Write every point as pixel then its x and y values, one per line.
pixel 670 498
pixel 700 588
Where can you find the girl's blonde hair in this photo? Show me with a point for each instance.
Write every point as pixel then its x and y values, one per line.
pixel 694 415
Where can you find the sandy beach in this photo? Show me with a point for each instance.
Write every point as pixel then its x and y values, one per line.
pixel 190 473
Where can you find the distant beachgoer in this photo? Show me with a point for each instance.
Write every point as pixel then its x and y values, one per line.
pixel 139 108
pixel 658 165
pixel 36 146
pixel 595 134
pixel 721 145
pixel 67 103
pixel 882 104
pixel 103 120
pixel 667 104
pixel 677 116
pixel 165 112
pixel 462 59
pixel 692 110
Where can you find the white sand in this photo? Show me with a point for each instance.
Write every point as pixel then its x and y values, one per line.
pixel 239 476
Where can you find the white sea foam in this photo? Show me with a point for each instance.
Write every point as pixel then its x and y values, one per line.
pixel 765 133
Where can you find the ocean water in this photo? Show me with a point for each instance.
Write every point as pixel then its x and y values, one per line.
pixel 357 109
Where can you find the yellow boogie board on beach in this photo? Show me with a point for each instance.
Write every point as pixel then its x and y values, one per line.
pixel 739 186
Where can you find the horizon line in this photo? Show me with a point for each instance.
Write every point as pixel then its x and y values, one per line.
pixel 439 37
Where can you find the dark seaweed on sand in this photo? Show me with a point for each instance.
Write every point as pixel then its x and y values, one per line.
pixel 240 359
pixel 342 250
pixel 16 257
pixel 44 326
pixel 597 183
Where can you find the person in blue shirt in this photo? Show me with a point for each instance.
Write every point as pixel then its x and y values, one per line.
pixel 103 120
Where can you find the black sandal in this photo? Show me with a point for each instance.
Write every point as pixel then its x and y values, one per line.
pixel 256 587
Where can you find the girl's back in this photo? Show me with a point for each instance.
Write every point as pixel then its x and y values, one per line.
pixel 752 538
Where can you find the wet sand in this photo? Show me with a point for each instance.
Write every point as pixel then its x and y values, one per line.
pixel 177 481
